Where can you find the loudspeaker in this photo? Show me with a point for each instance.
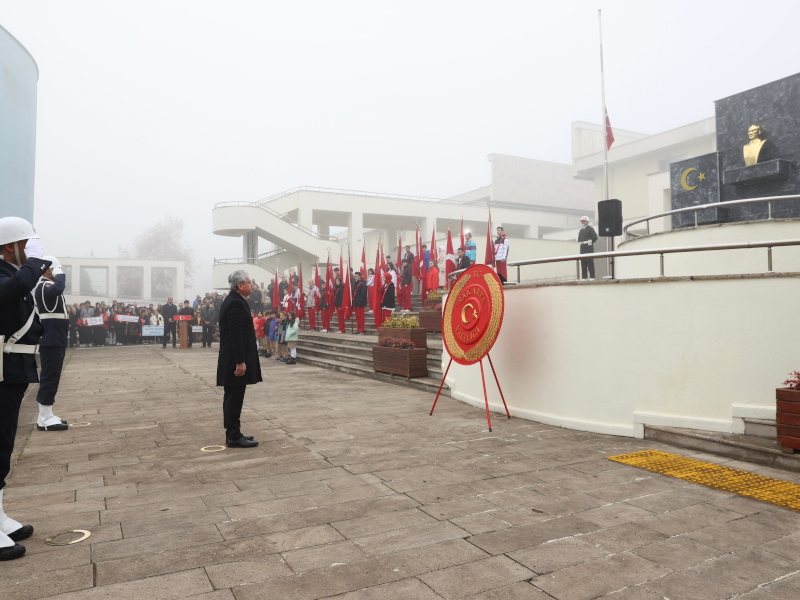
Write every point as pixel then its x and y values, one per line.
pixel 609 218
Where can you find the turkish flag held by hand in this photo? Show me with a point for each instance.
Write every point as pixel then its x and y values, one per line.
pixel 450 262
pixel 301 297
pixel 489 257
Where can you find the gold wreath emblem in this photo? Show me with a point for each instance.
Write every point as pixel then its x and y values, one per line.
pixel 479 350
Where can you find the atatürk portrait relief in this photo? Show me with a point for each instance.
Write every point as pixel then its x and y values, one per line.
pixel 752 149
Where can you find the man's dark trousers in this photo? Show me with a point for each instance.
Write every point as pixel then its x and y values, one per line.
pixel 169 328
pixel 52 360
pixel 232 411
pixel 10 400
pixel 208 334
pixel 587 264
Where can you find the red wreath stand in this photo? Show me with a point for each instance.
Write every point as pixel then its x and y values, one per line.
pixel 471 322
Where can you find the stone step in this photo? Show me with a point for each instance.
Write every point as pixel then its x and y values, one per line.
pixel 357 356
pixel 434 343
pixel 362 351
pixel 748 448
pixel 764 428
pixel 426 384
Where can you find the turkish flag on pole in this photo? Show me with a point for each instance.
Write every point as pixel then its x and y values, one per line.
pixel 341 266
pixel 489 257
pixel 463 240
pixel 347 297
pixel 363 267
pixel 450 260
pixel 276 299
pixel 377 289
pixel 609 133
pixel 415 270
pixel 301 300
pixel 316 276
pixel 399 252
pixel 329 284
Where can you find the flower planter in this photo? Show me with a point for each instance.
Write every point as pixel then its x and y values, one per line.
pixel 431 303
pixel 418 335
pixel 788 419
pixel 398 361
pixel 431 321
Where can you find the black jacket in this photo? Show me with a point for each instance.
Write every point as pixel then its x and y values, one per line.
pixel 237 343
pixel 168 311
pixel 339 296
pixel 49 301
pixel 388 295
pixel 587 233
pixel 463 263
pixel 360 295
pixel 407 273
pixel 16 305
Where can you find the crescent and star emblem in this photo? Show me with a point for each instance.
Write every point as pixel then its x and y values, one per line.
pixel 464 318
pixel 685 185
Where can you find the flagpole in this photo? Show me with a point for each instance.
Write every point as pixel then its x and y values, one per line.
pixel 604 125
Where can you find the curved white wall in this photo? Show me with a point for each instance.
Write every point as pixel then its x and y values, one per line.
pixel 18 79
pixel 714 263
pixel 609 356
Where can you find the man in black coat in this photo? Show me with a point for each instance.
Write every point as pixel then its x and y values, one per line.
pixel 21 266
pixel 238 365
pixel 462 260
pixel 168 311
pixel 360 302
pixel 587 237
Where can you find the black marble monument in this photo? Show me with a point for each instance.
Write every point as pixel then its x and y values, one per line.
pixel 723 176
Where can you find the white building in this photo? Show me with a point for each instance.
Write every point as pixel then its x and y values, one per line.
pixel 140 281
pixel 19 76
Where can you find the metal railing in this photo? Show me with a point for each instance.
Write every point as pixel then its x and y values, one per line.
pixel 695 209
pixel 244 261
pixel 769 245
pixel 282 217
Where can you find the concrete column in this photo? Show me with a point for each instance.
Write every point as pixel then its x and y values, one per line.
pixel 355 235
pixel 249 247
pixel 304 215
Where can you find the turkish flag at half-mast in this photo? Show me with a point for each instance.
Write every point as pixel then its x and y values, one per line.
pixel 377 289
pixel 489 257
pixel 301 297
pixel 450 262
pixel 609 133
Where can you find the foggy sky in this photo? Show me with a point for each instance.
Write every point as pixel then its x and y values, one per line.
pixel 151 107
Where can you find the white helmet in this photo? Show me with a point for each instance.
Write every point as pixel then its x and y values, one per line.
pixel 16 229
pixel 56 264
pixel 584 218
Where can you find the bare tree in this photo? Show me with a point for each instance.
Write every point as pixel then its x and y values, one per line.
pixel 163 241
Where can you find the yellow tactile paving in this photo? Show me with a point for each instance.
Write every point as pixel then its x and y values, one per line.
pixel 758 487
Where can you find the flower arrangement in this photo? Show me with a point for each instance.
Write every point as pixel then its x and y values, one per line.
pixel 433 307
pixel 434 294
pixel 401 322
pixel 393 342
pixel 794 380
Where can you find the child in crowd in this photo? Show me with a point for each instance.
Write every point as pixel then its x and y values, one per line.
pixel 272 334
pixel 292 328
pixel 283 352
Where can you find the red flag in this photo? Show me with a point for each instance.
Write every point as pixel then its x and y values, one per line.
pixel 609 133
pixel 399 251
pixel 463 240
pixel 450 261
pixel 489 258
pixel 377 289
pixel 347 297
pixel 329 294
pixel 301 300
pixel 316 276
pixel 289 290
pixel 276 299
pixel 363 267
pixel 341 267
pixel 434 258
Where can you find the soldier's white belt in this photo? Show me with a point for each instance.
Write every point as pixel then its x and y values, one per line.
pixel 52 316
pixel 21 349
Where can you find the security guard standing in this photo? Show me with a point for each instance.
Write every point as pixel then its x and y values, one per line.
pixel 21 266
pixel 52 310
pixel 587 237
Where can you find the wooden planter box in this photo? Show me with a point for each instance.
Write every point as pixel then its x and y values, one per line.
pixel 788 419
pixel 417 335
pixel 432 303
pixel 431 321
pixel 397 361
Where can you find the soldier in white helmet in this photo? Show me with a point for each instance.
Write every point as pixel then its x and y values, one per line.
pixel 51 307
pixel 21 266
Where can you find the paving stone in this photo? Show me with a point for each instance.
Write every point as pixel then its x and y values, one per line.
pixel 517 591
pixel 407 538
pixel 405 588
pixel 724 577
pixel 458 508
pixel 387 521
pixel 319 557
pixel 677 553
pixel 593 579
pixel 56 582
pixel 527 536
pixel 476 577
pixel 148 544
pixel 745 532
pixel 623 537
pixel 164 587
pixel 481 523
pixel 688 519
pixel 245 571
pixel 557 555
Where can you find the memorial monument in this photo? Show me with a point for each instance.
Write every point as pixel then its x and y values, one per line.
pixel 758 155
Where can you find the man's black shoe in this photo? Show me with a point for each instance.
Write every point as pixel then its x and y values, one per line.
pixel 12 552
pixel 23 533
pixel 242 442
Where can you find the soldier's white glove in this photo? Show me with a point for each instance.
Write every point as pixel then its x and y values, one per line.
pixel 584 243
pixel 590 242
pixel 33 249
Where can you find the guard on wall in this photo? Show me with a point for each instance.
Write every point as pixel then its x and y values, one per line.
pixel 21 266
pixel 587 236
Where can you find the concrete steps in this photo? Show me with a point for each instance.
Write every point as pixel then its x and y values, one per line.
pixel 353 354
pixel 758 449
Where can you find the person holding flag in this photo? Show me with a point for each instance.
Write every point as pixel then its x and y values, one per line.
pixel 388 299
pixel 501 248
pixel 311 305
pixel 360 303
pixel 450 262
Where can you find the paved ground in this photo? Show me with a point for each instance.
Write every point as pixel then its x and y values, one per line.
pixel 356 493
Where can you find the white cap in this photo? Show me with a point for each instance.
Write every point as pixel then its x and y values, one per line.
pixel 55 262
pixel 584 218
pixel 16 229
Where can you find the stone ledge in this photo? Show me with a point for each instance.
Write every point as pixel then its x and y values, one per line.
pixel 758 173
